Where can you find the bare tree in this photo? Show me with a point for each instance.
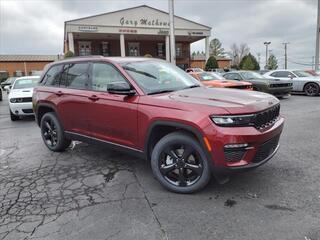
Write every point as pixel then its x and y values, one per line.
pixel 238 52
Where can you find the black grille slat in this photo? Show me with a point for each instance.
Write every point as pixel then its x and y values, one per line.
pixel 234 155
pixel 266 149
pixel 27 110
pixel 267 117
pixel 280 85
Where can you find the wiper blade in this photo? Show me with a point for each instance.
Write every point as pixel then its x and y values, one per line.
pixel 161 91
pixel 137 71
pixel 192 86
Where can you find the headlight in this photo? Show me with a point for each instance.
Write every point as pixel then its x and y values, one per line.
pixel 234 121
pixel 16 100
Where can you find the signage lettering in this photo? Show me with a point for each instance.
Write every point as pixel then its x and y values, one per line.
pixel 143 22
pixel 88 28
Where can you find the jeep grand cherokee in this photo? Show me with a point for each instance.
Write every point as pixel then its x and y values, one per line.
pixel 153 109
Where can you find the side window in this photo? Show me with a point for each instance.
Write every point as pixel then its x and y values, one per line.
pixel 104 74
pixel 232 76
pixel 52 77
pixel 75 76
pixel 283 74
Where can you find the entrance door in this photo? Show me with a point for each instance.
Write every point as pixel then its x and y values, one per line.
pixel 134 49
pixel 84 48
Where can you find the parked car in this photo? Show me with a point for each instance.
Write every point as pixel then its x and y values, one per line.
pixel 20 97
pixel 8 82
pixel 194 70
pixel 3 76
pixel 262 84
pixel 0 94
pixel 212 79
pixel 302 80
pixel 155 110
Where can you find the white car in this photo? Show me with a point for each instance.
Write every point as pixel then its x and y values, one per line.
pixel 20 96
pixel 302 80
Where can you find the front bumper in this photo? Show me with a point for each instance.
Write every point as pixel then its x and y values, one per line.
pixel 280 92
pixel 21 109
pixel 262 146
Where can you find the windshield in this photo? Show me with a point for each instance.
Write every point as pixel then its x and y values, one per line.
pixel 251 75
pixel 25 83
pixel 217 76
pixel 302 74
pixel 157 76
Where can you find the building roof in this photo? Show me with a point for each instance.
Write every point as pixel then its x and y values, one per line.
pixel 202 57
pixel 145 7
pixel 28 58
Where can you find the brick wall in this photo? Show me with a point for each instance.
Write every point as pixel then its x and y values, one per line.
pixel 11 67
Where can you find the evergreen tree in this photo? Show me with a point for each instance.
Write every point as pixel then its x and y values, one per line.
pixel 215 48
pixel 249 62
pixel 211 63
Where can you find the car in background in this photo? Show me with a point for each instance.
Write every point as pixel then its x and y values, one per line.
pixel 8 83
pixel 313 73
pixel 20 97
pixel 302 80
pixel 212 79
pixel 3 76
pixel 262 71
pixel 260 83
pixel 194 70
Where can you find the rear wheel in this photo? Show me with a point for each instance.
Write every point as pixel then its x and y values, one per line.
pixel 52 133
pixel 311 89
pixel 13 117
pixel 180 164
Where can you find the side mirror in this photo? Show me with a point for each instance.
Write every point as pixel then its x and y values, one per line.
pixel 121 88
pixel 7 88
pixel 290 76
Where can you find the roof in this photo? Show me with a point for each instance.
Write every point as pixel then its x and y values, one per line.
pixel 28 58
pixel 202 57
pixel 140 6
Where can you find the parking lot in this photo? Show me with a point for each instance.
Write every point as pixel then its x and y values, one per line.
pixel 90 192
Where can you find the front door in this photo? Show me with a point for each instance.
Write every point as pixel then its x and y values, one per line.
pixel 84 48
pixel 113 117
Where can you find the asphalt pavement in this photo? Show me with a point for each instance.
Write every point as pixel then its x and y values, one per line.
pixel 90 192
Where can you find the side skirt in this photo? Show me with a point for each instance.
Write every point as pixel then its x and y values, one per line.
pixel 113 146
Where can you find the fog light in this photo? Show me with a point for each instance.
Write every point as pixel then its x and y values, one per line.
pixel 233 146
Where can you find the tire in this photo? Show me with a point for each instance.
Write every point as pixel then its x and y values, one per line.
pixel 176 172
pixel 311 89
pixel 52 133
pixel 14 117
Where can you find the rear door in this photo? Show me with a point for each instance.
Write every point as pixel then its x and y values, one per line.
pixel 74 98
pixel 113 117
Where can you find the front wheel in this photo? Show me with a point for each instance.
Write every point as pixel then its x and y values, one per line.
pixel 311 89
pixel 52 133
pixel 180 164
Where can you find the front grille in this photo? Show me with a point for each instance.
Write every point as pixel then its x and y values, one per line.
pixel 266 149
pixel 27 99
pixel 27 110
pixel 241 87
pixel 267 117
pixel 280 85
pixel 234 155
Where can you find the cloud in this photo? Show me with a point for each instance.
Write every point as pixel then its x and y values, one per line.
pixel 34 26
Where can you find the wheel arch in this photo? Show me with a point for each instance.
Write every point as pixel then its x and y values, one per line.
pixel 42 109
pixel 160 128
pixel 305 84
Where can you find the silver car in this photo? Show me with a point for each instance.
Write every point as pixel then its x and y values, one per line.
pixel 302 80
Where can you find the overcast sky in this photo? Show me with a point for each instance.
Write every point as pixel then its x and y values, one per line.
pixel 36 26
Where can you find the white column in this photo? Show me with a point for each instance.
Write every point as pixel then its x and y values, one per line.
pixel 207 48
pixel 122 46
pixel 71 42
pixel 172 36
pixel 168 48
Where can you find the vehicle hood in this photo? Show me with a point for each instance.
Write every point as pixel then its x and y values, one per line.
pixel 224 83
pixel 232 101
pixel 18 93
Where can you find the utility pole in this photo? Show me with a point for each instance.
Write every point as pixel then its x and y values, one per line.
pixel 267 44
pixel 259 57
pixel 285 55
pixel 317 39
pixel 172 37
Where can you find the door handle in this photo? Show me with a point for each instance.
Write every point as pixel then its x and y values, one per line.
pixel 93 98
pixel 59 93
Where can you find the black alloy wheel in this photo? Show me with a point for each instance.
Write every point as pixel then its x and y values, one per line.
pixel 52 133
pixel 311 89
pixel 180 164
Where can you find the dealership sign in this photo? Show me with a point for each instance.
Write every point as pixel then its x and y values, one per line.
pixel 143 22
pixel 88 28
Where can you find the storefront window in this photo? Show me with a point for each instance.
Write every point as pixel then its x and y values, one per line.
pixel 134 49
pixel 84 48
pixel 105 49
pixel 160 49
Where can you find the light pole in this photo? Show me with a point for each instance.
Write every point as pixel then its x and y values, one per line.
pixel 316 67
pixel 172 37
pixel 285 55
pixel 266 44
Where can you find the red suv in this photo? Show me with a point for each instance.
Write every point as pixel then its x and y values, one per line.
pixel 154 109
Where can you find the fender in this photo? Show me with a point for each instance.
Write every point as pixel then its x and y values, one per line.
pixel 48 105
